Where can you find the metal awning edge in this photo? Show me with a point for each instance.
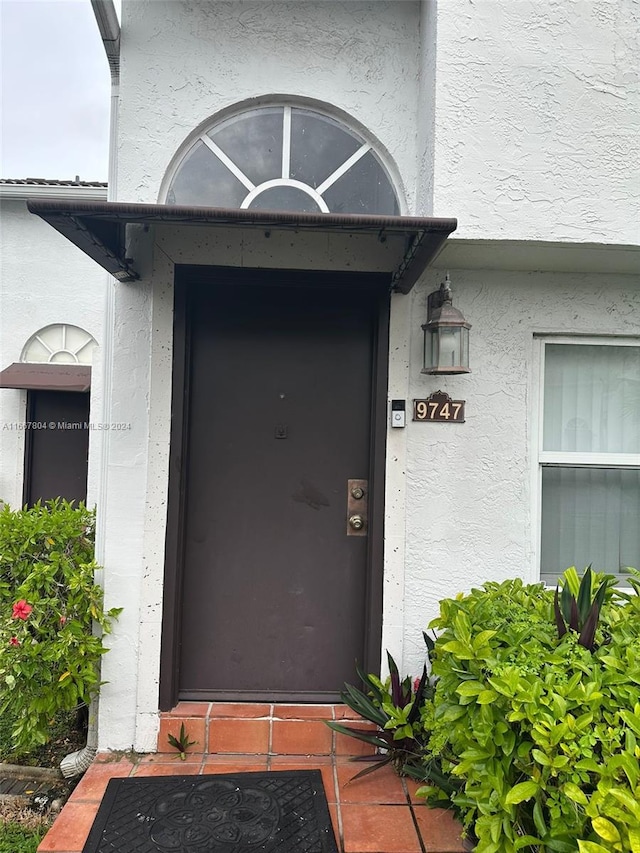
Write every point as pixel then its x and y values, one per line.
pixel 34 376
pixel 97 228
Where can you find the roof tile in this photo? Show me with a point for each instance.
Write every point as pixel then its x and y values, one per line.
pixel 51 182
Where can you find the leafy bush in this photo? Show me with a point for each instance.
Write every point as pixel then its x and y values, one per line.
pixel 394 706
pixel 49 602
pixel 542 731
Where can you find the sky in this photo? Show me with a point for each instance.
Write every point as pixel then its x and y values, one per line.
pixel 55 91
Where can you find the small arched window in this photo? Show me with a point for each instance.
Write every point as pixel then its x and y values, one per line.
pixel 59 344
pixel 283 158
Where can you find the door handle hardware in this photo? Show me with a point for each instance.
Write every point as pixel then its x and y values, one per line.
pixel 357 507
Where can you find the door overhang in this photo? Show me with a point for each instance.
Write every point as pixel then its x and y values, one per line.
pixel 100 229
pixel 31 376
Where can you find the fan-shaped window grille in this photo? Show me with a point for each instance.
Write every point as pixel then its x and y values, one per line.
pixel 283 158
pixel 59 344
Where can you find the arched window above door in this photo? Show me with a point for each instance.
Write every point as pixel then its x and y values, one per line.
pixel 60 343
pixel 283 158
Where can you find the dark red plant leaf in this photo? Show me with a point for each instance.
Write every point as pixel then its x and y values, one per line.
pixel 574 621
pixel 429 643
pixel 380 762
pixel 565 602
pixel 562 628
pixel 600 594
pixel 584 595
pixel 396 687
pixel 414 713
pixel 588 633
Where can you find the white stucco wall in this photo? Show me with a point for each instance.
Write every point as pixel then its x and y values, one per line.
pixel 471 493
pixel 537 120
pixel 44 279
pixel 183 62
pixel 522 120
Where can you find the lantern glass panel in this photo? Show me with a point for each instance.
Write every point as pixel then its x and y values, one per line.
pixel 431 350
pixel 449 347
pixel 464 348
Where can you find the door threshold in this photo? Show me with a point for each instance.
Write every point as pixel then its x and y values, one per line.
pixel 270 698
pixel 251 728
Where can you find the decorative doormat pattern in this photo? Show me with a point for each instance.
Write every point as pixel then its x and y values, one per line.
pixel 281 811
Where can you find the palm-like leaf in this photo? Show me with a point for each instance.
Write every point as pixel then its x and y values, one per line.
pixel 584 595
pixel 375 739
pixel 562 628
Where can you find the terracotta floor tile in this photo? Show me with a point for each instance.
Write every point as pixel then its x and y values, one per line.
pixel 232 766
pixel 94 782
pixel 171 758
pixel 343 712
pixel 195 728
pixel 381 786
pixel 188 709
pixel 240 760
pixel 301 737
pixel 239 710
pixel 303 712
pixel 378 829
pixel 345 745
pixel 301 762
pixel 333 811
pixel 71 828
pixel 440 832
pixel 412 786
pixel 243 736
pixel 179 768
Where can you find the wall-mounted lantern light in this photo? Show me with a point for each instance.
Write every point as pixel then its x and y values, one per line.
pixel 446 334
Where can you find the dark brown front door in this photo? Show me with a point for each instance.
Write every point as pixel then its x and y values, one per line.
pixel 57 446
pixel 275 594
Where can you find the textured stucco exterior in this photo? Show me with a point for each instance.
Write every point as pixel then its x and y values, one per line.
pixel 184 62
pixel 44 280
pixel 537 119
pixel 472 490
pixel 522 120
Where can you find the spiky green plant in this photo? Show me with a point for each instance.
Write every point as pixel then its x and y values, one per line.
pixel 577 607
pixel 181 743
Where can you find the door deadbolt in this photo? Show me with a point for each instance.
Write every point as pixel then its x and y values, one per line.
pixel 357 520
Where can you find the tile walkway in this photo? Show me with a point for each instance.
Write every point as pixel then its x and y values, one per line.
pixel 376 814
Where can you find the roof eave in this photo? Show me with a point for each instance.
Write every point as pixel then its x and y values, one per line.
pixel 27 191
pixel 109 26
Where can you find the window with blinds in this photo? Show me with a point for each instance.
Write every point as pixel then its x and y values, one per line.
pixel 590 457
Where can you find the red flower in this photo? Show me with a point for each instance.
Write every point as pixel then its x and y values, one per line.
pixel 63 619
pixel 14 641
pixel 416 684
pixel 21 609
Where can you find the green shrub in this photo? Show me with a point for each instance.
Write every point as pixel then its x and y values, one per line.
pixel 542 731
pixel 49 602
pixel 394 707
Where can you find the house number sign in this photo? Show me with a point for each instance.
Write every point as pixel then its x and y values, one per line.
pixel 439 407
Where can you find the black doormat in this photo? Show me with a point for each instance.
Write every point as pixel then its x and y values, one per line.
pixel 283 811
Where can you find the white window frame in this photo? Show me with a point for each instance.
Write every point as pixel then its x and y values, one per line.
pixel 368 143
pixel 545 458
